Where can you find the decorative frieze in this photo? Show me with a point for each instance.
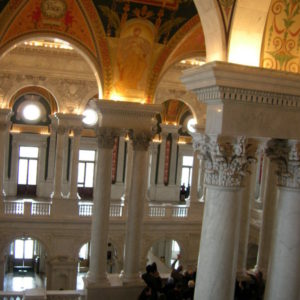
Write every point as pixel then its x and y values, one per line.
pixel 286 154
pixel 226 159
pixel 223 93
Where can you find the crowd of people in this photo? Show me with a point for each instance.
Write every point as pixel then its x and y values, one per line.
pixel 179 286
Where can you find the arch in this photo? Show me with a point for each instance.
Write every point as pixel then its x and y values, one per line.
pixel 150 242
pixel 214 31
pixel 16 90
pixel 83 51
pixel 198 109
pixel 9 239
pixel 247 32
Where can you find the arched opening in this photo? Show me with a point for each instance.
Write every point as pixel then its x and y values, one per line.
pixel 166 254
pixel 112 265
pixel 51 61
pixel 25 265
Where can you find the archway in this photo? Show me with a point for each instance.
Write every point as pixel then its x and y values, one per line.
pixel 25 264
pixel 166 254
pixel 112 266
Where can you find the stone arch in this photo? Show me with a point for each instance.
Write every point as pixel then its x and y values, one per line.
pixel 83 51
pixel 151 241
pixel 8 239
pixel 190 99
pixel 247 32
pixel 215 39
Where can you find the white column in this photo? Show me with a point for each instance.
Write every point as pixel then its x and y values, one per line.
pixel 128 171
pixel 59 156
pixel 225 162
pixel 284 269
pixel 268 199
pixel 140 143
pixel 100 221
pixel 247 197
pixel 195 179
pixel 74 163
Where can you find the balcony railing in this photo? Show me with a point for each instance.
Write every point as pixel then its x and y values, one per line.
pixel 85 209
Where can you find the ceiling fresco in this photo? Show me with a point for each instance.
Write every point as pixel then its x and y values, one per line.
pixel 167 16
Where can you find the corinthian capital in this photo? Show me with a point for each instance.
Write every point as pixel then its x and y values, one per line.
pixel 106 137
pixel 286 154
pixel 226 159
pixel 140 140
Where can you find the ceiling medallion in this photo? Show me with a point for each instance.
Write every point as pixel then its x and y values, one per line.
pixel 54 8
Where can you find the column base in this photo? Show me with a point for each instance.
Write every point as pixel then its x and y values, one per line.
pixel 96 282
pixel 131 280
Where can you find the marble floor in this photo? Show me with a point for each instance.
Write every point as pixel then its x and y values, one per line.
pixel 21 282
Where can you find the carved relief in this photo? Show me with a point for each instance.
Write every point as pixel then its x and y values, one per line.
pixel 140 141
pixel 106 137
pixel 226 160
pixel 287 156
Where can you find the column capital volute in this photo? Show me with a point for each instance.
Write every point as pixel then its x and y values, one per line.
pixel 77 131
pixel 140 139
pixel 106 137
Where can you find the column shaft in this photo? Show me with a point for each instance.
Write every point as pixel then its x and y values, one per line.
pixel 246 203
pixel 100 220
pixel 283 275
pixel 135 210
pixel 268 195
pixel 219 244
pixel 74 168
pixel 195 179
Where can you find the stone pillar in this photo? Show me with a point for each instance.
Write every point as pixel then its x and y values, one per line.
pixel 246 204
pixel 128 174
pixel 283 271
pixel 225 163
pixel 74 162
pixel 195 179
pixel 268 199
pixel 4 127
pixel 62 131
pixel 140 144
pixel 100 220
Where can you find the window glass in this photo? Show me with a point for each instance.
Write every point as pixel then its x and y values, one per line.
pixel 81 173
pixel 22 177
pixel 89 176
pixel 87 155
pixel 19 247
pixel 185 176
pixel 28 249
pixel 187 161
pixel 32 172
pixel 29 152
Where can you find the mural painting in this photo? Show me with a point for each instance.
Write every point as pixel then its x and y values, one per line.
pixel 61 16
pixel 282 37
pixel 134 51
pixel 166 16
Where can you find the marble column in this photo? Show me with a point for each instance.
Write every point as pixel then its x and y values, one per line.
pixel 246 204
pixel 75 160
pixel 268 199
pixel 140 144
pixel 195 179
pixel 4 127
pixel 225 163
pixel 100 221
pixel 162 153
pixel 128 174
pixel 62 131
pixel 283 272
